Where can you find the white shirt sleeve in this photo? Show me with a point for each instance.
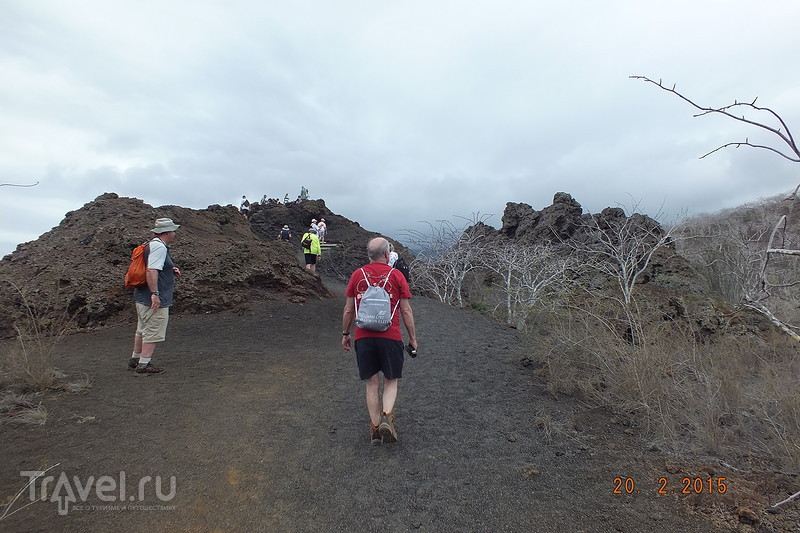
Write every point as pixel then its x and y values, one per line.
pixel 158 255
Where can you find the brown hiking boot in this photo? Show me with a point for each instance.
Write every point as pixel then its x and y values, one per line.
pixel 374 435
pixel 146 370
pixel 133 362
pixel 386 428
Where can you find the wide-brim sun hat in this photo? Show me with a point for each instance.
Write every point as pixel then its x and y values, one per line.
pixel 313 220
pixel 164 225
pixel 285 227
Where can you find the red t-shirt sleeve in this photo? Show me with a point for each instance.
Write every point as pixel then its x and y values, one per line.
pixel 350 291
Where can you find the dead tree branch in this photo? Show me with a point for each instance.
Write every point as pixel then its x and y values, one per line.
pixel 776 508
pixel 18 185
pixel 757 306
pixel 782 132
pixel 761 291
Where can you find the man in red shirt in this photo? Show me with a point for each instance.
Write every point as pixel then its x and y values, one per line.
pixel 379 351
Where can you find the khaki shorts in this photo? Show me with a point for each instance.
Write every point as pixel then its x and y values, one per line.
pixel 152 325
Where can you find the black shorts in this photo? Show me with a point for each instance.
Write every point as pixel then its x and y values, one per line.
pixel 376 354
pixel 311 259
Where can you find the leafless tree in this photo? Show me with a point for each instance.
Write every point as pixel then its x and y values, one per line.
pixel 621 248
pixel 447 254
pixel 528 273
pixel 624 248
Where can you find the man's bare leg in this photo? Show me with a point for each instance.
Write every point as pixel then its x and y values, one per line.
pixel 373 398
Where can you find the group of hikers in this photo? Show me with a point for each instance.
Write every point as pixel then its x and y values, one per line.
pixel 244 205
pixel 370 319
pixel 311 241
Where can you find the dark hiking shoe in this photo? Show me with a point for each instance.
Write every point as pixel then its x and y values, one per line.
pixel 374 435
pixel 146 370
pixel 133 363
pixel 386 428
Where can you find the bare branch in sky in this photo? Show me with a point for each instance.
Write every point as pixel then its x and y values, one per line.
pixel 18 185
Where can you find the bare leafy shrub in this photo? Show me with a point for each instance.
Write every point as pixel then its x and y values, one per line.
pixel 727 249
pixel 27 363
pixel 732 398
pixel 26 367
pixel 777 401
pixel 730 249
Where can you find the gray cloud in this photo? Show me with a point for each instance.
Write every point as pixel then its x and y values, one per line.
pixel 391 112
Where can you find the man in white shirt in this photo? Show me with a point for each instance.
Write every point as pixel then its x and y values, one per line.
pixel 154 299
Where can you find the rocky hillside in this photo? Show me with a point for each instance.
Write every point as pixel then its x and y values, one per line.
pixel 669 289
pixel 78 268
pixel 349 238
pixel 565 224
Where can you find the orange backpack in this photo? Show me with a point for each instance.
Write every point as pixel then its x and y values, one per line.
pixel 137 271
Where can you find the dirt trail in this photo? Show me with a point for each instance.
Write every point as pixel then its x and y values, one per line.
pixel 261 420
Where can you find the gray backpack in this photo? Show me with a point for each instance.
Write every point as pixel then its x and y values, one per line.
pixel 375 312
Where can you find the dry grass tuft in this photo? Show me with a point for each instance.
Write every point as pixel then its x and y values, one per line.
pixel 544 423
pixel 735 398
pixel 81 385
pixel 22 408
pixel 27 369
pixel 27 365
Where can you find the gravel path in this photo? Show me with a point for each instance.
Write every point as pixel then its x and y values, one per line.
pixel 261 419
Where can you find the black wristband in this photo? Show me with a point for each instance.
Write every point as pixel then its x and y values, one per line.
pixel 346 334
pixel 156 293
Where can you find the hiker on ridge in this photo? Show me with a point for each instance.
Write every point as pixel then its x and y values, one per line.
pixel 322 230
pixel 311 249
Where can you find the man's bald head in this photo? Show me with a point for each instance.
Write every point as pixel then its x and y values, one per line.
pixel 378 250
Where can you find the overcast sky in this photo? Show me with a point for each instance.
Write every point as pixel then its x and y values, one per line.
pixel 392 112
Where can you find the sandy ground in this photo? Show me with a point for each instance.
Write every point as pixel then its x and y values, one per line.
pixel 261 420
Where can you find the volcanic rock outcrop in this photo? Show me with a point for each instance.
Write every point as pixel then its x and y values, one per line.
pixel 75 271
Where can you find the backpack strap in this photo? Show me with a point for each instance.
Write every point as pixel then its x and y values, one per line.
pixel 384 288
pixel 365 279
pixel 385 281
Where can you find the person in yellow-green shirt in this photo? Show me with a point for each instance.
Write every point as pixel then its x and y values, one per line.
pixel 312 251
